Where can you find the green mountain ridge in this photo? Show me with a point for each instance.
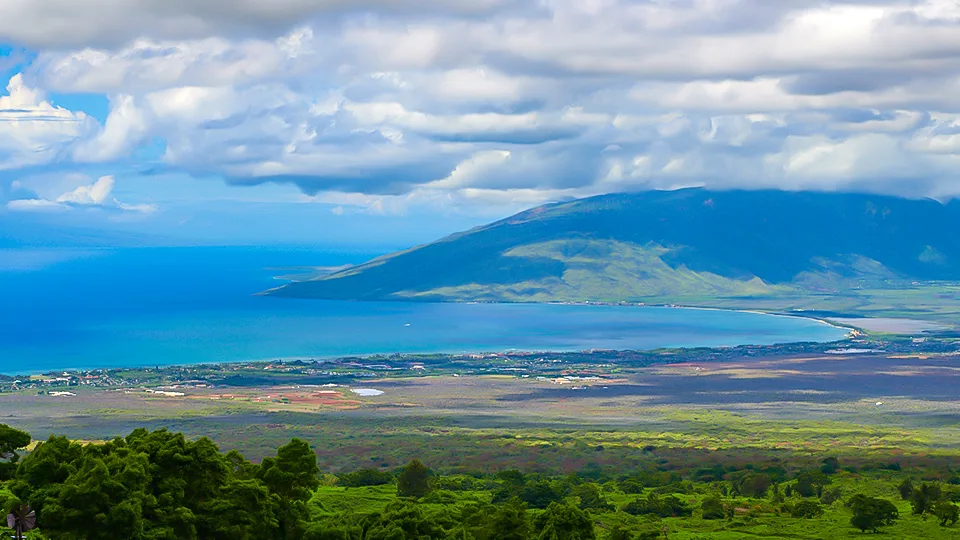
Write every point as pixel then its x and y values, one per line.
pixel 692 245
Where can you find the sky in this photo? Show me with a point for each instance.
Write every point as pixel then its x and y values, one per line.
pixel 391 122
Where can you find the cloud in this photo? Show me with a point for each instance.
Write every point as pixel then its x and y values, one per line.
pixel 386 105
pixel 35 205
pixel 97 194
pixel 79 23
pixel 32 130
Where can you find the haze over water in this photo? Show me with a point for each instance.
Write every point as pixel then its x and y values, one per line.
pixel 162 306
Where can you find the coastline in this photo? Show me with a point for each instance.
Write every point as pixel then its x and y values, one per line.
pixel 453 352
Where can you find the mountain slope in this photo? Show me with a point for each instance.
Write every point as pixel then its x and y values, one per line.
pixel 689 243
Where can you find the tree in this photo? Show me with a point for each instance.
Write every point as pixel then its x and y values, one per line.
pixel 510 522
pixel 483 521
pixel 591 498
pixel 871 513
pixel 829 465
pixel 712 508
pixel 753 485
pixel 946 512
pixel 414 480
pixel 11 440
pixel 293 473
pixel 291 477
pixel 924 497
pixel 806 509
pixel 810 483
pixel 564 522
pixel 906 489
pixel 104 500
pixel 669 506
pixel 618 532
pixel 364 477
pixel 402 521
pixel 241 511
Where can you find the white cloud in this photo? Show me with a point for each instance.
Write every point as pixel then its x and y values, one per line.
pixel 33 131
pixel 35 205
pixel 382 105
pixel 73 23
pixel 96 194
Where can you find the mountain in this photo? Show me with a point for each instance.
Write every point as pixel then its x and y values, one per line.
pixel 667 246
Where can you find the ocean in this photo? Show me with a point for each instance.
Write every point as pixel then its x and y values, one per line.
pixel 99 308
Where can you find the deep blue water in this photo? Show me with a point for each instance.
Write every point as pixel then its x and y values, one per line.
pixel 63 309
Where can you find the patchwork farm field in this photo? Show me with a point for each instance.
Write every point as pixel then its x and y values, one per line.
pixel 868 406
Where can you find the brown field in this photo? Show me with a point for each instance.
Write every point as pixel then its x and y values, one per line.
pixel 896 404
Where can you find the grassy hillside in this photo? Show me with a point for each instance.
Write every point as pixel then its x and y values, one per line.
pixel 692 245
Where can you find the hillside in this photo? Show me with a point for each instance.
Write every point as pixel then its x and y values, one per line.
pixel 668 246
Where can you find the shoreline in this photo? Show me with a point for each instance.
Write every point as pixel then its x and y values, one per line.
pixel 853 332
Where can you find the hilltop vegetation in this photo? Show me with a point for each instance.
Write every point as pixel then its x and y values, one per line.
pixel 695 246
pixel 159 485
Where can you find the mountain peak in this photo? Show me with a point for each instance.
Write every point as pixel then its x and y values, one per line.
pixel 684 243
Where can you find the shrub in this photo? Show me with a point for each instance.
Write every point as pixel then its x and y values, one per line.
pixel 669 506
pixel 712 508
pixel 364 477
pixel 806 509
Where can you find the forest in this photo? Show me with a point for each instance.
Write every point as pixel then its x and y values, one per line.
pixel 160 485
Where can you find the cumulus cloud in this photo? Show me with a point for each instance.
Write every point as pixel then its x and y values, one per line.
pixel 97 194
pixel 32 130
pixel 383 105
pixel 70 23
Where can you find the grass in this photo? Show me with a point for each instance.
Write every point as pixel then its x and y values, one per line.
pixel 757 518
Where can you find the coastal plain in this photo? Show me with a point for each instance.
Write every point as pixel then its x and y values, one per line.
pixel 886 399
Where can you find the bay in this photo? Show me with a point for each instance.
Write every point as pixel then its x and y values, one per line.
pixel 72 309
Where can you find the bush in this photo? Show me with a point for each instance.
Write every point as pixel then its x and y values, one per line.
pixel 946 512
pixel 806 509
pixel 414 480
pixel 871 513
pixel 668 506
pixel 831 496
pixel 365 477
pixel 564 522
pixel 712 508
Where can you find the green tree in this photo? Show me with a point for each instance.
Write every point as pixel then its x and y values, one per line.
pixel 829 465
pixel 946 512
pixel 751 484
pixel 564 522
pixel 591 498
pixel 365 477
pixel 291 478
pixel 871 513
pixel 810 483
pixel 619 532
pixel 241 511
pixel 41 473
pixel 104 500
pixel 806 509
pixel 510 522
pixel 669 506
pixel 925 497
pixel 414 481
pixel 906 489
pixel 402 521
pixel 11 440
pixel 712 508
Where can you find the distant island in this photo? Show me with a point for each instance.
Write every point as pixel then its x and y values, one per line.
pixel 848 254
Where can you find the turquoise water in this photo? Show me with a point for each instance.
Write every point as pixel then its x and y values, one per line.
pixel 158 306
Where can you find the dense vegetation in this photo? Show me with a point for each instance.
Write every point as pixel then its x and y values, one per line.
pixel 159 485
